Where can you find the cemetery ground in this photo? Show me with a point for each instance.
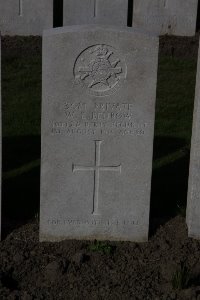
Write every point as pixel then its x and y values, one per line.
pixel 168 266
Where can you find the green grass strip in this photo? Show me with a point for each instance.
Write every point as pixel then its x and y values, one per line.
pixel 22 170
pixel 172 157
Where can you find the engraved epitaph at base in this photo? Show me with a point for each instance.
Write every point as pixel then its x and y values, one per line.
pixel 97 133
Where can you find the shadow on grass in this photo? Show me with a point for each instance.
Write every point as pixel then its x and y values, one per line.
pixel 166 145
pixel 169 181
pixel 21 181
pixel 19 150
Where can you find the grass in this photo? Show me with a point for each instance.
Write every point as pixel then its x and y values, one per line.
pixel 21 106
pixel 21 94
pixel 175 96
pixel 180 278
pixel 101 247
pixel 21 97
pixel 173 125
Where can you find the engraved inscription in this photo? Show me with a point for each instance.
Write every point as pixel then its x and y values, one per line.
pixel 99 119
pixel 93 222
pixel 96 169
pixel 100 69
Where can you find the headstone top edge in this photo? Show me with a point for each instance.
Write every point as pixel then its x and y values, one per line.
pixel 94 27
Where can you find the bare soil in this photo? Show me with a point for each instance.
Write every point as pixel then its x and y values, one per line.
pixel 121 270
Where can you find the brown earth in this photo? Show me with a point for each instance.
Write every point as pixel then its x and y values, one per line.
pixel 83 270
pixel 167 267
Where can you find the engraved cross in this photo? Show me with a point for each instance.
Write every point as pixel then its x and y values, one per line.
pixel 97 168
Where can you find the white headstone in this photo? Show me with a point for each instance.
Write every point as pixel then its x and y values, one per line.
pixel 0 139
pixel 193 204
pixel 99 91
pixel 173 17
pixel 25 17
pixel 111 12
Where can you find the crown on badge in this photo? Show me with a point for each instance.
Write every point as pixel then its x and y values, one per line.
pixel 100 50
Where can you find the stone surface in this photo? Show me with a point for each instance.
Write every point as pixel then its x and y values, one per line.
pixel 0 138
pixel 99 90
pixel 25 17
pixel 193 203
pixel 173 17
pixel 111 12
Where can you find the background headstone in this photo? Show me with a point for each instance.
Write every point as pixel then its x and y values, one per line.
pixel 193 203
pixel 0 139
pixel 173 17
pixel 99 90
pixel 25 17
pixel 111 12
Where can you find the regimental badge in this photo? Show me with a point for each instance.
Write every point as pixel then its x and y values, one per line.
pixel 100 69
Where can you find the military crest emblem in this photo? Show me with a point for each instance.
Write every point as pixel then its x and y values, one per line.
pixel 99 69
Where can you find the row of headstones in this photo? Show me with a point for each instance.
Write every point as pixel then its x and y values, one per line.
pixel 31 17
pixel 98 110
